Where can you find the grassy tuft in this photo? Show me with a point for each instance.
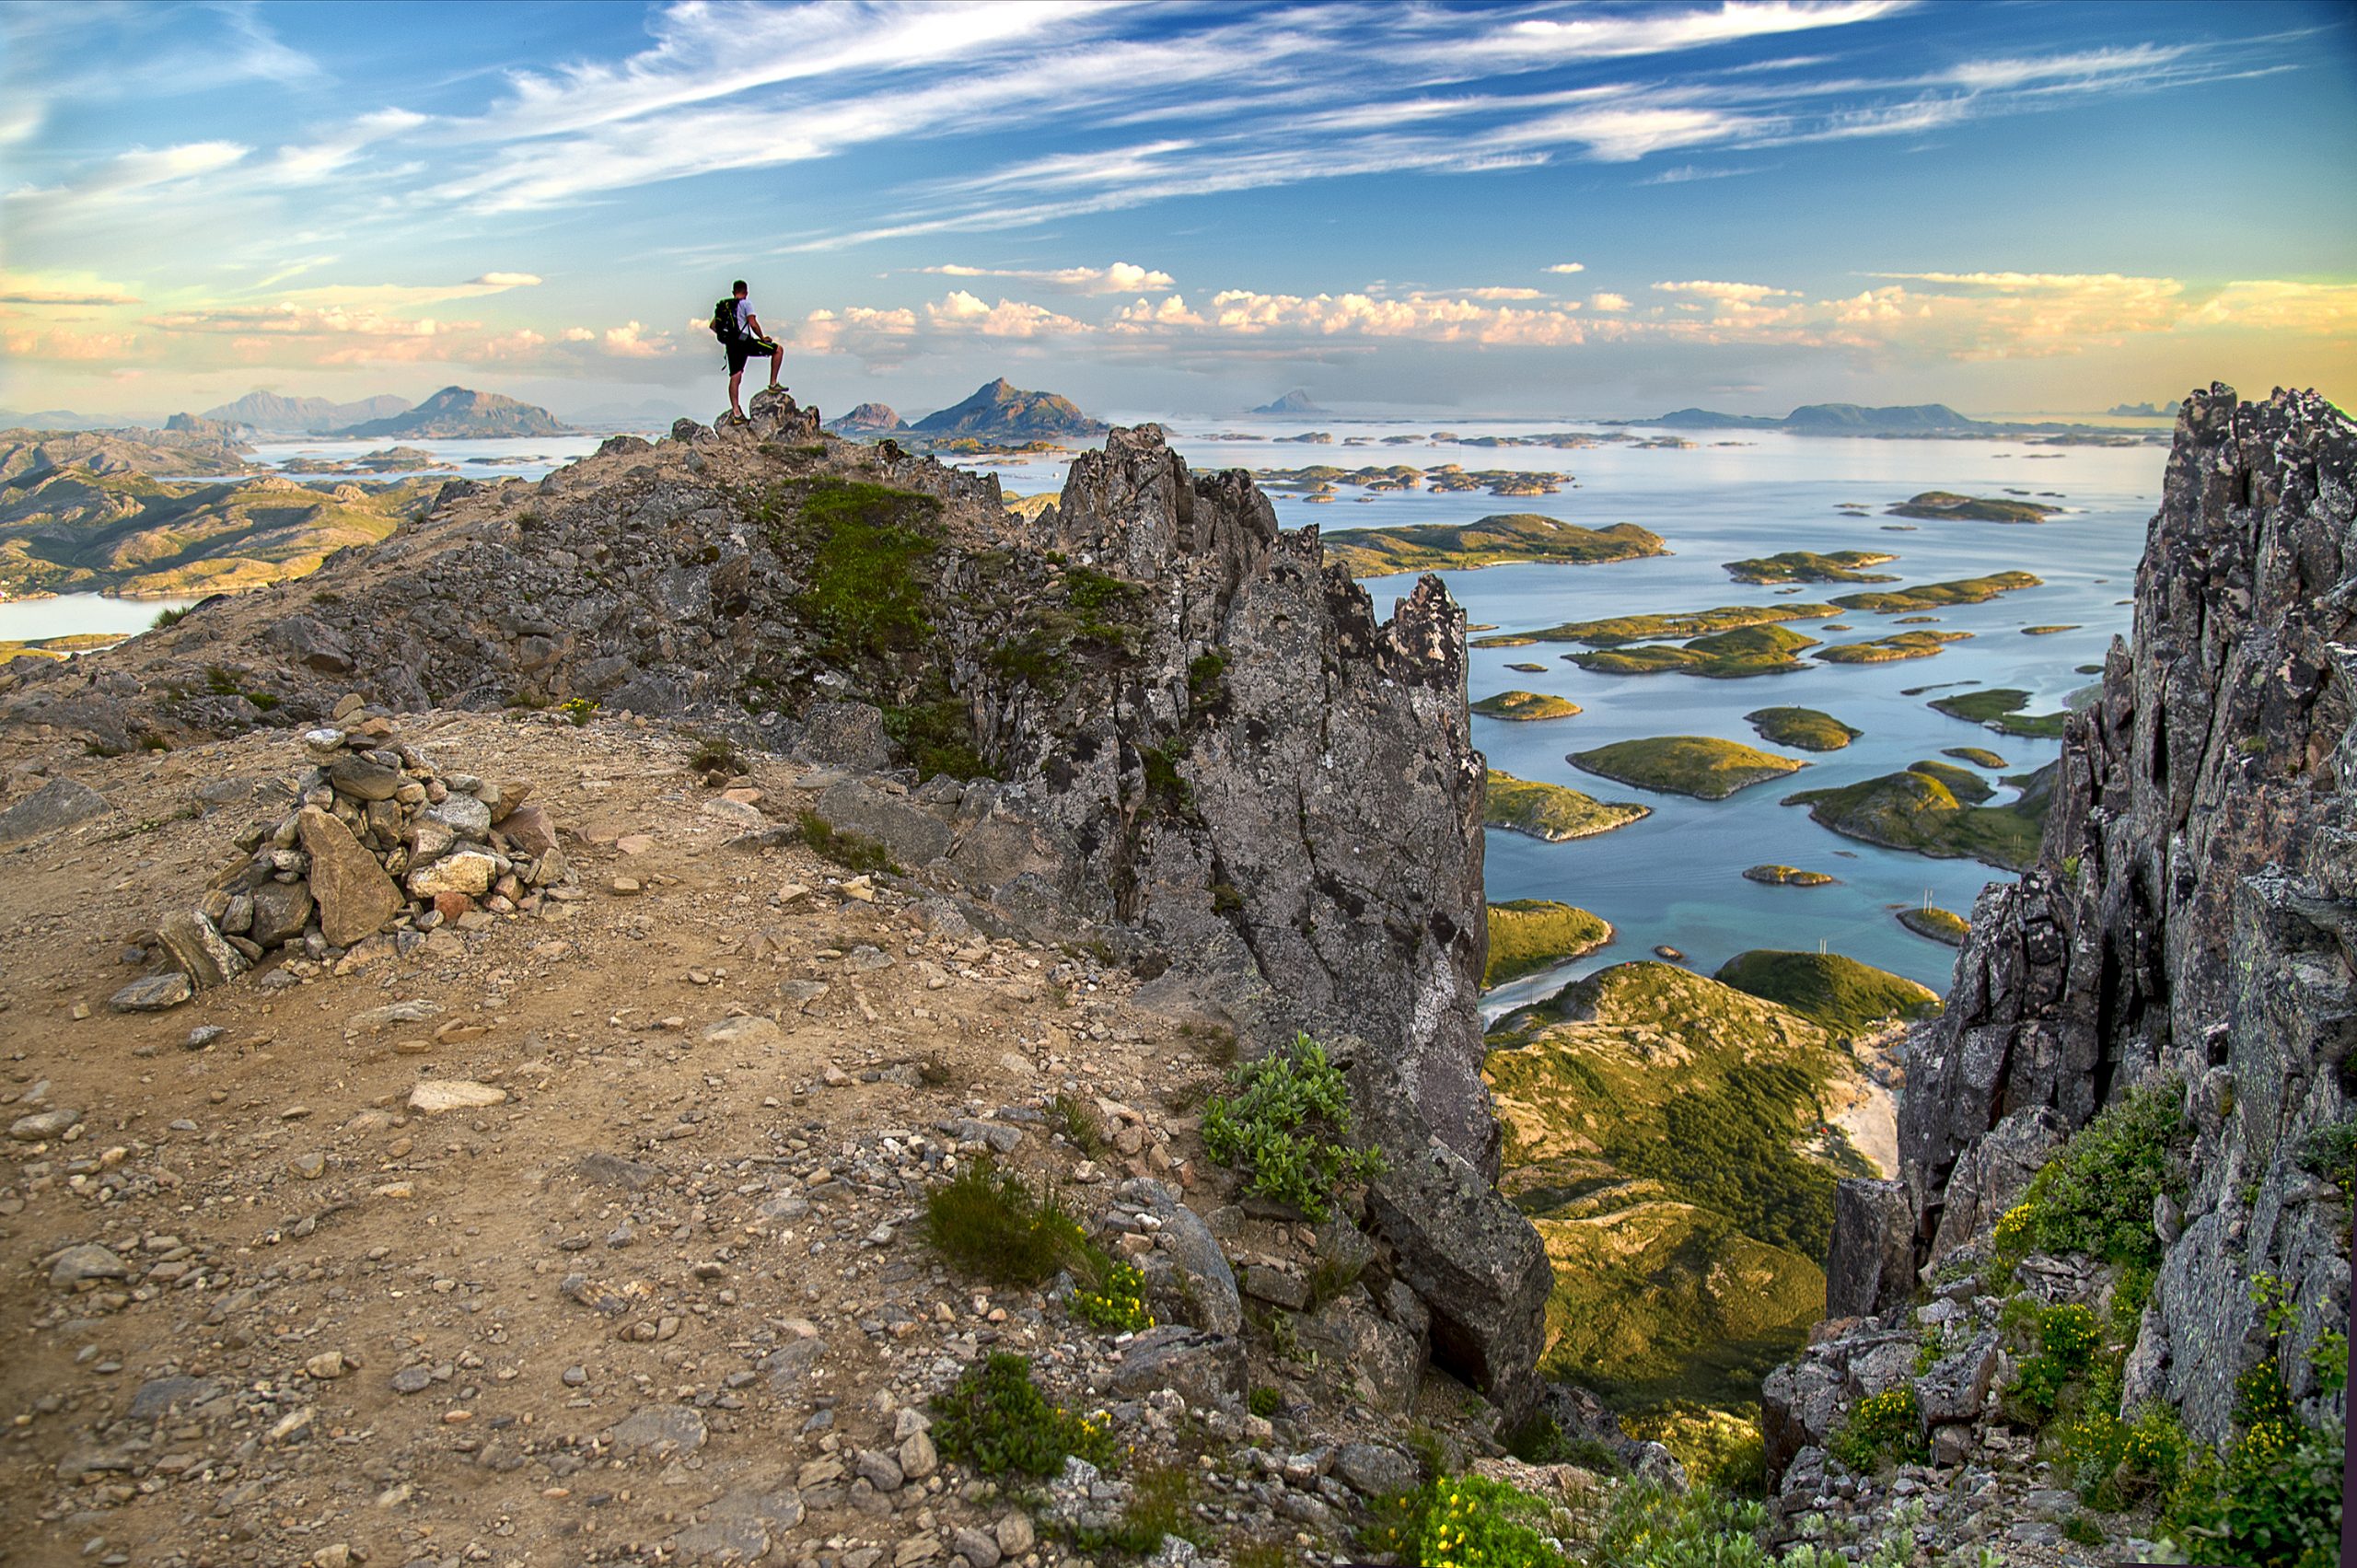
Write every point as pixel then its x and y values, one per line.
pixel 989 1222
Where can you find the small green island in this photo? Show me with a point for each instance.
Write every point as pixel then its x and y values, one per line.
pixel 1553 812
pixel 1979 755
pixel 1529 668
pixel 1530 934
pixel 1888 650
pixel 1804 727
pixel 2045 631
pixel 1930 808
pixel 1700 765
pixel 1807 567
pixel 1787 876
pixel 1939 925
pixel 1616 630
pixel 1836 993
pixel 1491 542
pixel 1526 706
pixel 1932 596
pixel 1947 504
pixel 1999 708
pixel 1721 655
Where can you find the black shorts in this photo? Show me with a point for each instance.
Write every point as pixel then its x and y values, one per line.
pixel 744 349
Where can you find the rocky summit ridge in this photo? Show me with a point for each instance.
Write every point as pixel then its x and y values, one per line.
pixel 1144 716
pixel 2185 940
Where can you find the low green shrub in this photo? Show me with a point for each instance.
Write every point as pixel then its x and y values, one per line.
pixel 988 1222
pixel 1467 1522
pixel 168 618
pixel 1288 1129
pixel 578 709
pixel 1162 1504
pixel 2273 1501
pixel 2097 1195
pixel 2067 1338
pixel 850 851
pixel 1265 1402
pixel 1114 1299
pixel 1888 1425
pixel 2331 1153
pixel 996 1420
pixel 2114 1464
pixel 1077 1121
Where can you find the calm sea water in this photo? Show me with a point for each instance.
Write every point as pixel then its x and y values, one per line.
pixel 517 457
pixel 1675 877
pixel 29 620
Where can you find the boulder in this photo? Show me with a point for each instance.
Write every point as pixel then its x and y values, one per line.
pixel 355 898
pixel 845 735
pixel 1955 1387
pixel 198 950
pixel 281 910
pixel 1207 1370
pixel 911 833
pixel 530 830
pixel 155 993
pixel 1472 1258
pixel 1870 1267
pixel 55 805
pixel 468 871
pixel 1800 1404
pixel 1373 1359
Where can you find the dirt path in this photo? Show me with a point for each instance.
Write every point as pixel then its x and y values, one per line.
pixel 654 1304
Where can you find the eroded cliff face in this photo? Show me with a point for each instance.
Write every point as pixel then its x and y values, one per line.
pixel 1148 717
pixel 2192 917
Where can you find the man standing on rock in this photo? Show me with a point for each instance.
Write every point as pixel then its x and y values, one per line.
pixel 748 342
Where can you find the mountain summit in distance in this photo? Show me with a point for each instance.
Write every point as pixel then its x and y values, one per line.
pixel 1827 419
pixel 455 412
pixel 1003 411
pixel 285 415
pixel 1295 402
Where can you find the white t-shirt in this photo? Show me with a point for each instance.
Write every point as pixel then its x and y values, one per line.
pixel 745 318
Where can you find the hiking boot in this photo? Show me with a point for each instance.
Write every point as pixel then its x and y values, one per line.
pixel 774 387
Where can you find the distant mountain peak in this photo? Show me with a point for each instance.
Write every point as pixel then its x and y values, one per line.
pixel 460 412
pixel 1295 402
pixel 1000 410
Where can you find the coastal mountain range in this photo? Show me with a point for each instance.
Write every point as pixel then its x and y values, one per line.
pixel 274 414
pixel 1854 419
pixel 457 412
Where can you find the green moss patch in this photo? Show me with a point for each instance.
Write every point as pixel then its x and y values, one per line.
pixel 1947 504
pixel 1919 809
pixel 1888 650
pixel 1932 596
pixel 1699 765
pixel 1526 706
pixel 1721 655
pixel 871 547
pixel 1491 542
pixel 1530 934
pixel 1939 925
pixel 1838 994
pixel 1807 567
pixel 1551 811
pixel 1999 708
pixel 1804 727
pixel 1614 630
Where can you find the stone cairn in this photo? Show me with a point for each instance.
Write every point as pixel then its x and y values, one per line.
pixel 380 850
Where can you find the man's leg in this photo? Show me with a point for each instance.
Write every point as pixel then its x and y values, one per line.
pixel 777 363
pixel 735 377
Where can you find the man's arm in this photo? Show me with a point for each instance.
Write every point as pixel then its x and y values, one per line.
pixel 753 325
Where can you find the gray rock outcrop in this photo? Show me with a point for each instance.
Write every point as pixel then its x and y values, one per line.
pixel 2191 921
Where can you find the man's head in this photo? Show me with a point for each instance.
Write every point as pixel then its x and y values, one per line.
pixel 739 288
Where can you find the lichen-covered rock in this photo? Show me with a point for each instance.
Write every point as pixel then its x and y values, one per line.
pixel 355 896
pixel 55 805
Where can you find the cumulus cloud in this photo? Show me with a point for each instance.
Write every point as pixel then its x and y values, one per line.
pixel 1737 293
pixel 1569 267
pixel 508 280
pixel 1121 277
pixel 1607 301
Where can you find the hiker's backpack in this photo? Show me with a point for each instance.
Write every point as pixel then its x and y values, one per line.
pixel 723 320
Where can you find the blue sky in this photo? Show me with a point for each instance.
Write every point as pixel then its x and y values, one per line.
pixel 1544 209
